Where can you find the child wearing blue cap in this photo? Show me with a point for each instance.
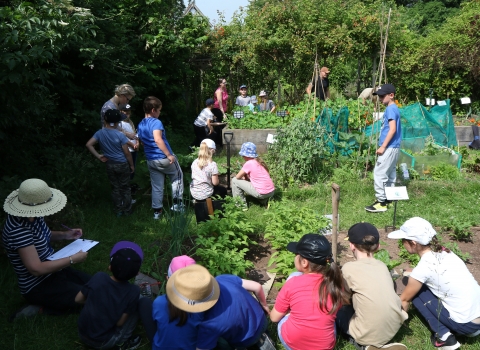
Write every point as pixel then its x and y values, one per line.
pixel 243 100
pixel 253 179
pixel 110 313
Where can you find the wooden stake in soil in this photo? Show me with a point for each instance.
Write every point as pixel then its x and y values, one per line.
pixel 335 200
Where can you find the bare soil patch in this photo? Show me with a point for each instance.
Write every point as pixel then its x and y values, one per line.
pixel 261 253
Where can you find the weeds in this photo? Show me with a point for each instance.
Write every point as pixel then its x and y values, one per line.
pixel 384 257
pixel 458 230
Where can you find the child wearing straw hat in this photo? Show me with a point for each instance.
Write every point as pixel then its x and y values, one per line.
pixel 26 239
pixel 110 314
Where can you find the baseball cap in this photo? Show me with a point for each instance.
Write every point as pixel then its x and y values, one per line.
pixel 243 86
pixel 253 99
pixel 415 229
pixel 125 260
pixel 210 143
pixel 325 69
pixel 313 247
pixel 114 116
pixel 209 102
pixel 179 262
pixel 358 232
pixel 385 89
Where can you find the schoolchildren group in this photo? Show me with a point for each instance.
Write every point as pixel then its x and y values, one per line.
pixel 318 303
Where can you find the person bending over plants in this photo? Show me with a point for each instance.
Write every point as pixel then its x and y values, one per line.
pixel 376 314
pixel 253 179
pixel 442 289
pixel 307 304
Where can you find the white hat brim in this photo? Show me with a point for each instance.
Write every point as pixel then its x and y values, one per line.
pixel 13 207
pixel 399 234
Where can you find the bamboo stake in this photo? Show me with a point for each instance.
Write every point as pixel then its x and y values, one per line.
pixel 335 200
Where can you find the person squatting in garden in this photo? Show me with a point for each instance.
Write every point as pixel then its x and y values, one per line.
pixel 123 94
pixel 117 158
pixel 389 142
pixel 205 182
pixel 167 326
pixel 26 239
pixel 202 126
pixel 371 287
pixel 253 179
pixel 308 302
pixel 110 314
pixel 160 158
pixel 440 287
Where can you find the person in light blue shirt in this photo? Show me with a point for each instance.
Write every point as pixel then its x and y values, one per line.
pixel 389 148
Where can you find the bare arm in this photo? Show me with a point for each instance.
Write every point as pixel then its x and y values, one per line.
pixel 80 298
pixel 241 174
pixel 122 320
pixel 393 129
pixel 128 155
pixel 273 109
pixel 215 180
pixel 157 136
pixel 92 142
pixel 218 93
pixel 412 288
pixel 257 289
pixel 308 90
pixel 276 316
pixel 63 235
pixel 36 267
pixel 210 126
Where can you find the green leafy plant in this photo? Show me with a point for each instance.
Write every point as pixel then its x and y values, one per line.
pixel 384 257
pixel 458 230
pixel 223 242
pixel 287 223
pixel 444 171
pixel 413 259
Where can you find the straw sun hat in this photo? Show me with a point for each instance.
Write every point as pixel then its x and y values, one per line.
pixel 193 289
pixel 34 199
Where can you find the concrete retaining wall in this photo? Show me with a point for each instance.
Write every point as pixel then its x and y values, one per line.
pixel 257 136
pixel 464 135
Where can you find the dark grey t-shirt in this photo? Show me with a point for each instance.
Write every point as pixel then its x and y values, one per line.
pixel 242 101
pixel 107 300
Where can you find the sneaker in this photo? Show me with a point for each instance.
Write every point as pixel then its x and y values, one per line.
pixel 26 311
pixel 450 344
pixel 132 343
pixel 157 215
pixel 391 346
pixel 179 208
pixel 377 207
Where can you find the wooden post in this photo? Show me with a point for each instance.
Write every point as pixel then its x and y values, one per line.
pixel 335 200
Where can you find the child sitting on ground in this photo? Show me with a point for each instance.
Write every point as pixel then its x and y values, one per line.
pixel 307 304
pixel 117 158
pixel 253 179
pixel 376 314
pixel 110 313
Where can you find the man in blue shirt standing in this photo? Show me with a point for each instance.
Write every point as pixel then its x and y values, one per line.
pixel 389 142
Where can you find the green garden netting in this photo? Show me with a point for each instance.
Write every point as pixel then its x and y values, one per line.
pixel 336 127
pixel 419 122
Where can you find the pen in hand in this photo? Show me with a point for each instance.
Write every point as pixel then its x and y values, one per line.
pixel 70 229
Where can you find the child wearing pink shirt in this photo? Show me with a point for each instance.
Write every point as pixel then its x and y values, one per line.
pixel 253 179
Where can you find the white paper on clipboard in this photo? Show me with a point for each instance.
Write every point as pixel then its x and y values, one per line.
pixel 73 248
pixel 396 193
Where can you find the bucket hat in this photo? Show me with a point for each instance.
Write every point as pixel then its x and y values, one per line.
pixel 34 198
pixel 253 99
pixel 125 260
pixel 193 289
pixel 179 262
pixel 248 150
pixel 313 247
pixel 262 93
pixel 415 229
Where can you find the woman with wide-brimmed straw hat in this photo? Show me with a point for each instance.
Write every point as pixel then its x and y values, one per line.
pixel 26 238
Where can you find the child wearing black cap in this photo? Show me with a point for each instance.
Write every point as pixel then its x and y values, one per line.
pixel 376 314
pixel 389 148
pixel 307 304
pixel 202 125
pixel 110 313
pixel 117 159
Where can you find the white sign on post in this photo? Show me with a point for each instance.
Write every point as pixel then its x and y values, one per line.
pixel 396 193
